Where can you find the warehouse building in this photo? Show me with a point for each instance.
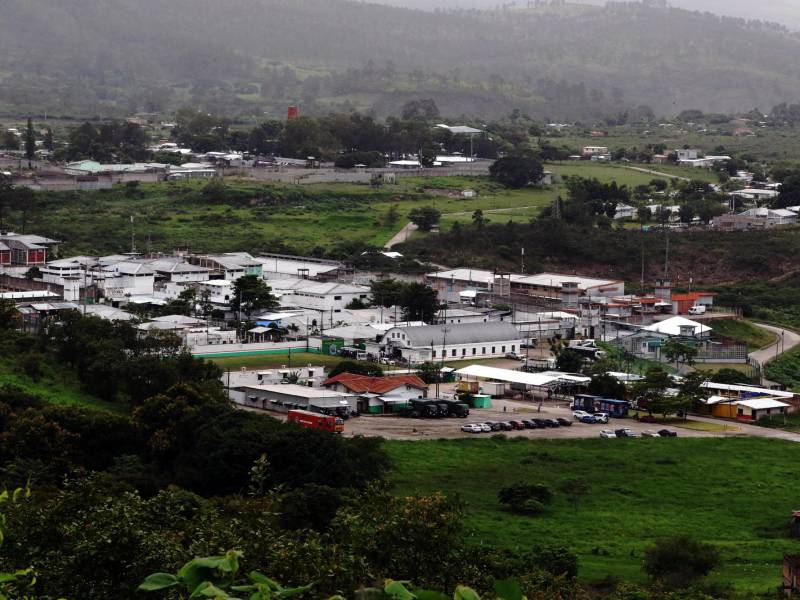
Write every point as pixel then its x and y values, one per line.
pixel 437 342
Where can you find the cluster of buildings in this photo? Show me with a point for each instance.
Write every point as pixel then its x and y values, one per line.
pixel 321 306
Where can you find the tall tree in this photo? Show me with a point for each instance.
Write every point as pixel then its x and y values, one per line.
pixel 250 294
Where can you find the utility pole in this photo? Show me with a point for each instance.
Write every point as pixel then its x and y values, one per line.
pixel 444 351
pixel 133 237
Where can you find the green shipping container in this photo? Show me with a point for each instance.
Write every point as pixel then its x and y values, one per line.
pixel 481 401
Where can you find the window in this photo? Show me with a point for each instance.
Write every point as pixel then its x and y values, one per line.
pixel 337 297
pixel 514 348
pixel 454 351
pixel 434 354
pixel 463 352
pixel 474 351
pixel 503 349
pixel 483 350
pixel 493 350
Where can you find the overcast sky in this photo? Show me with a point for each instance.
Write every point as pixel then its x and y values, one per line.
pixel 783 11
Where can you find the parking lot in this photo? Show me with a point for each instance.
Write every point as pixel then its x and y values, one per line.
pixel 397 428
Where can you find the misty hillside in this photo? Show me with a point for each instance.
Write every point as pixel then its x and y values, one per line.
pixel 243 57
pixel 786 12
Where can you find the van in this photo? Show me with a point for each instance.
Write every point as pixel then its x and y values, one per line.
pixel 697 310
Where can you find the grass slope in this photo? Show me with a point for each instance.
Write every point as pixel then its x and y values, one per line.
pixel 744 331
pixel 56 385
pixel 786 369
pixel 735 493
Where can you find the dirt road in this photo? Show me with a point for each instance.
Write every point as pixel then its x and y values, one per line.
pixel 401 236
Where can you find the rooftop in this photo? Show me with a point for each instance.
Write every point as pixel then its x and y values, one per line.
pixel 360 384
pixel 462 333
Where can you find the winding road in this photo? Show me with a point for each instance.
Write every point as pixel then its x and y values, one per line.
pixel 787 340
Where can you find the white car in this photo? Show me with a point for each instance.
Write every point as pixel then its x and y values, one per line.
pixel 607 433
pixel 579 414
pixel 650 433
pixel 485 427
pixel 472 429
pixel 601 417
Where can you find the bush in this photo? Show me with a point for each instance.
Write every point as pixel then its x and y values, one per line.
pixel 526 498
pixel 680 561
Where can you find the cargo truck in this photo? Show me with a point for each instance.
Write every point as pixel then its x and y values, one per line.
pixel 311 420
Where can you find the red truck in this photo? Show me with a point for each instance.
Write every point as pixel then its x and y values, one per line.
pixel 312 420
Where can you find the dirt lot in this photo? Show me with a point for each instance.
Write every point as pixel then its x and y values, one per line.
pixel 397 428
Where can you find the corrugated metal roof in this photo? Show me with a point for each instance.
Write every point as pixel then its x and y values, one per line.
pixel 463 333
pixel 532 379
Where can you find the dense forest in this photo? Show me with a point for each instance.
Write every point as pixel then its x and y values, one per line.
pixel 247 56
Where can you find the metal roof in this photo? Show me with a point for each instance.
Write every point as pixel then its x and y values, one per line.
pixel 673 326
pixel 533 379
pixel 463 333
pixel 762 403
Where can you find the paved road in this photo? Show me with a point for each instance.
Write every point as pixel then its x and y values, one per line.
pixel 787 340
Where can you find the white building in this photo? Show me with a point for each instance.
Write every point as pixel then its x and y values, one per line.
pixel 125 279
pixel 557 287
pixel 220 291
pixel 328 297
pixel 452 342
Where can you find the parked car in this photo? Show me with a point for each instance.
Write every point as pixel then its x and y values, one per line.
pixel 667 433
pixel 514 356
pixel 471 428
pixel 506 426
pixel 579 414
pixel 551 422
pixel 625 433
pixel 601 417
pixel 588 419
pixel 485 427
pixel 649 433
pixel 540 423
pixel 607 433
pixel 564 422
pixel 529 424
pixel 517 424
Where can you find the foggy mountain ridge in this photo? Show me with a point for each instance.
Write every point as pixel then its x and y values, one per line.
pixel 248 56
pixel 786 12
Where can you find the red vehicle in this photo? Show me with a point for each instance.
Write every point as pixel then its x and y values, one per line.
pixel 312 420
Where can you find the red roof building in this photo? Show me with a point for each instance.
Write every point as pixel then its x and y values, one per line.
pixel 379 394
pixel 681 303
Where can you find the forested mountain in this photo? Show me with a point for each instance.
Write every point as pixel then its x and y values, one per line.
pixel 245 57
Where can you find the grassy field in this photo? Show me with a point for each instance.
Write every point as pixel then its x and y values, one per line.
pixel 260 216
pixel 744 331
pixel 254 215
pixel 276 361
pixel 768 144
pixel 736 493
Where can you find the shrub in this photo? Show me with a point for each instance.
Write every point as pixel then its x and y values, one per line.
pixel 679 561
pixel 526 498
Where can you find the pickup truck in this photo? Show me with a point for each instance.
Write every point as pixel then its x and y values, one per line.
pixel 514 356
